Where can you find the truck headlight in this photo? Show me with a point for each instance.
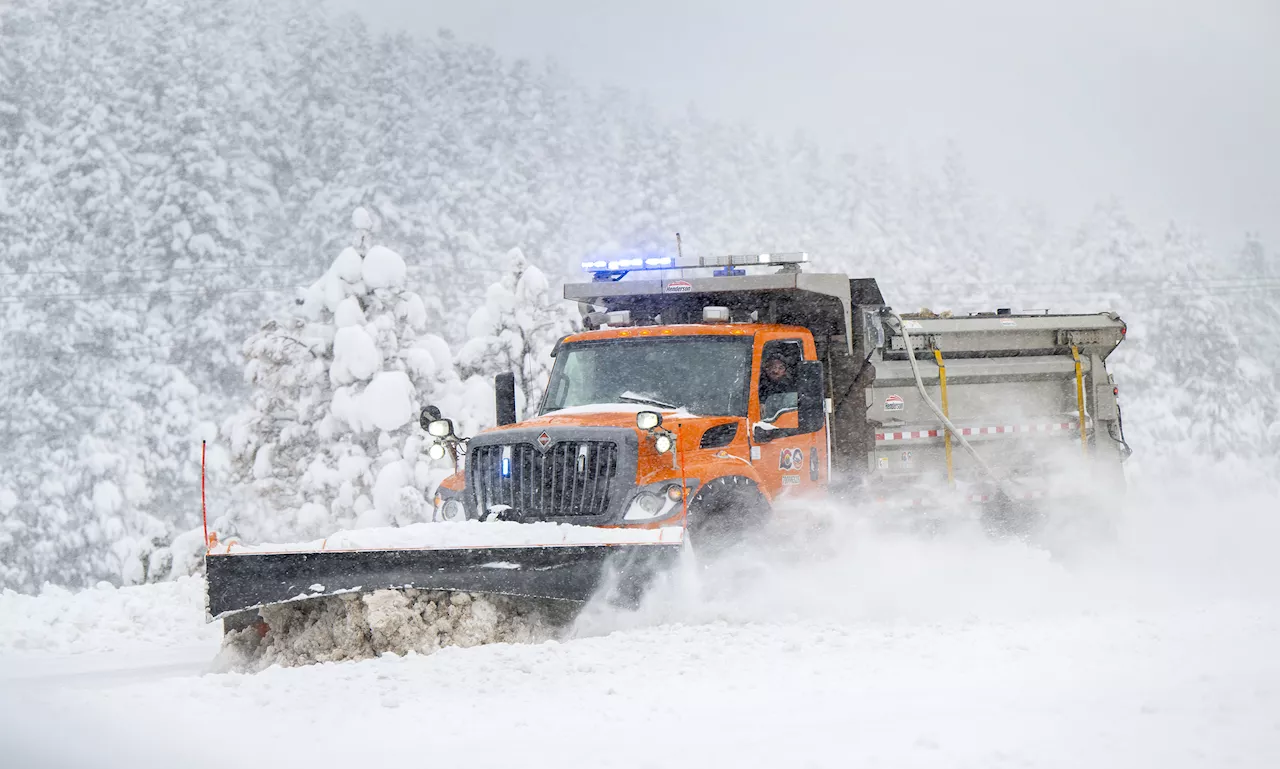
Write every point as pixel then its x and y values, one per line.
pixel 436 451
pixel 647 506
pixel 662 444
pixel 453 510
pixel 644 507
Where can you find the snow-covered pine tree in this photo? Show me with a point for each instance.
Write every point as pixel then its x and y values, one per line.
pixel 515 329
pixel 331 439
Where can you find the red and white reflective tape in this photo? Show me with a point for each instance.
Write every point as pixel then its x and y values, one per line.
pixel 1051 427
pixel 908 436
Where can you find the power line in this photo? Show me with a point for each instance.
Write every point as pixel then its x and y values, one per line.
pixel 19 298
pixel 223 269
pixel 139 270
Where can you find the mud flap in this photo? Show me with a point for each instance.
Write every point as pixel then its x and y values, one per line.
pixel 240 581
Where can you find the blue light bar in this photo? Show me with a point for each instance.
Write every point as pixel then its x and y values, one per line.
pixel 627 264
pixel 630 263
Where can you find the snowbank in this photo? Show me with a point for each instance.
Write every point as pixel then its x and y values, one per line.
pixel 356 627
pixel 105 619
pixel 469 534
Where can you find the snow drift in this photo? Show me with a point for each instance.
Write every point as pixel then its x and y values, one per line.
pixel 363 626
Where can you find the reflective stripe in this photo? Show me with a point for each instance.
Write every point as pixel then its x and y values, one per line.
pixel 1051 427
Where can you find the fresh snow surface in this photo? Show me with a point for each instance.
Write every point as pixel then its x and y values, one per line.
pixel 104 619
pixel 873 648
pixel 446 534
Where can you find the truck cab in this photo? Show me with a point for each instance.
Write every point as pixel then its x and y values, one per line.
pixel 718 419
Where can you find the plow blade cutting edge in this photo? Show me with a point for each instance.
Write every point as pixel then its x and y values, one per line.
pixel 242 581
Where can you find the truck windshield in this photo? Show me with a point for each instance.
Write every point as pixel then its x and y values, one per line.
pixel 706 375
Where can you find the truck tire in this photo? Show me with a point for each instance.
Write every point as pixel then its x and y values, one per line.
pixel 724 511
pixel 1005 517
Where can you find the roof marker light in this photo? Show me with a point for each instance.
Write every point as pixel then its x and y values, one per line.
pixel 715 314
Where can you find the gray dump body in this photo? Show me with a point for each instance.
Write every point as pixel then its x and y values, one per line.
pixel 1013 392
pixel 1012 386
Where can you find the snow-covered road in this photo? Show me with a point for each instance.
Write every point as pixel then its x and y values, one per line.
pixel 901 653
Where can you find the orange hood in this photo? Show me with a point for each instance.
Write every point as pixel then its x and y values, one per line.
pixel 612 415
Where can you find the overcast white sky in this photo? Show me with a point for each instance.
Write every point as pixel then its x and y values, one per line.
pixel 1171 105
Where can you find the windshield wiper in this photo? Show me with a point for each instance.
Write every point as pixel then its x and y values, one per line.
pixel 631 397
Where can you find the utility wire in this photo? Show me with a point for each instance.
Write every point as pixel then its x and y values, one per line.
pixel 19 298
pixel 138 270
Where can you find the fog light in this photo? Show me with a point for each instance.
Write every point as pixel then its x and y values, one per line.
pixel 662 443
pixel 436 451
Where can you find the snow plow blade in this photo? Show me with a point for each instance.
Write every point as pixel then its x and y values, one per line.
pixel 242 581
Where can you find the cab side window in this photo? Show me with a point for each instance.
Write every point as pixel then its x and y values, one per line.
pixel 778 366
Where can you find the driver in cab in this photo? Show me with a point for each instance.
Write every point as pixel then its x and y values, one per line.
pixel 777 387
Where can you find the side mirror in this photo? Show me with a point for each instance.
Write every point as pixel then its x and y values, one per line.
pixel 429 414
pixel 504 395
pixel 873 329
pixel 810 397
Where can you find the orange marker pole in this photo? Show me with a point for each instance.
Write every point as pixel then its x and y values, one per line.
pixel 204 511
pixel 684 483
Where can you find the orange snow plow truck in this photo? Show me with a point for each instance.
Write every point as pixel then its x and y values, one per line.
pixel 705 394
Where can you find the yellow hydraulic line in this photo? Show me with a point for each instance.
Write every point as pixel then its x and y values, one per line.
pixel 946 411
pixel 1084 439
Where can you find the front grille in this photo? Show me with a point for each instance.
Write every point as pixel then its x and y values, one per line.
pixel 571 478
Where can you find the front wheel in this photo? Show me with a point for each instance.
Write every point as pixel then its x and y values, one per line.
pixel 723 512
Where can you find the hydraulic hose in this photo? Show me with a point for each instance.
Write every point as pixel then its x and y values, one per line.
pixel 951 428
